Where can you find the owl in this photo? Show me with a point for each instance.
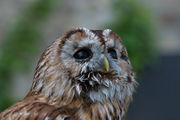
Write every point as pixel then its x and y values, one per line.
pixel 84 75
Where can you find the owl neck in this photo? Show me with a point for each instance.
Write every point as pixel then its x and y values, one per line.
pixel 103 110
pixel 64 93
pixel 88 110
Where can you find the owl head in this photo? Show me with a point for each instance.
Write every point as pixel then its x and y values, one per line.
pixel 85 64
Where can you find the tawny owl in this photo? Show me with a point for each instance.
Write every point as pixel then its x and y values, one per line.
pixel 84 75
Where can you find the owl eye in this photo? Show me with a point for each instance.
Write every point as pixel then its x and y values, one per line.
pixel 113 53
pixel 83 53
pixel 124 57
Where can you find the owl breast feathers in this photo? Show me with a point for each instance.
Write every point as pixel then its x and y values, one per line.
pixel 84 75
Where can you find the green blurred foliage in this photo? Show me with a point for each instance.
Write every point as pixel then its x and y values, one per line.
pixel 20 45
pixel 133 22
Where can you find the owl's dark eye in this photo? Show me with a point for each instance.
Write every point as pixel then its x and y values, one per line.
pixel 124 57
pixel 113 53
pixel 82 54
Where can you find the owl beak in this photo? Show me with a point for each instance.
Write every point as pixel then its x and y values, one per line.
pixel 106 63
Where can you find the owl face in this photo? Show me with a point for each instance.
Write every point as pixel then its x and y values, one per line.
pixel 91 64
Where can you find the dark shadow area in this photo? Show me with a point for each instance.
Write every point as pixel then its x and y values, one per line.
pixel 158 95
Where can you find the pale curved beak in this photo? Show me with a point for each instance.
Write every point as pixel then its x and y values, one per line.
pixel 106 63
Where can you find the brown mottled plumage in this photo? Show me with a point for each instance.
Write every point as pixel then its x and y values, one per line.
pixel 84 75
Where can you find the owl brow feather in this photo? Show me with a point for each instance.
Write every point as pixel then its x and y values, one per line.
pixel 99 33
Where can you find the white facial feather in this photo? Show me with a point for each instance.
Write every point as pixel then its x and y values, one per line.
pixel 90 34
pixel 106 32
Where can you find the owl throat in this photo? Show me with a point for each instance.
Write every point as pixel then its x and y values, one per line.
pixel 100 86
pixel 91 81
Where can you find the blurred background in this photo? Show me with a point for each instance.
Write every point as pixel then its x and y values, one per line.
pixel 150 29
